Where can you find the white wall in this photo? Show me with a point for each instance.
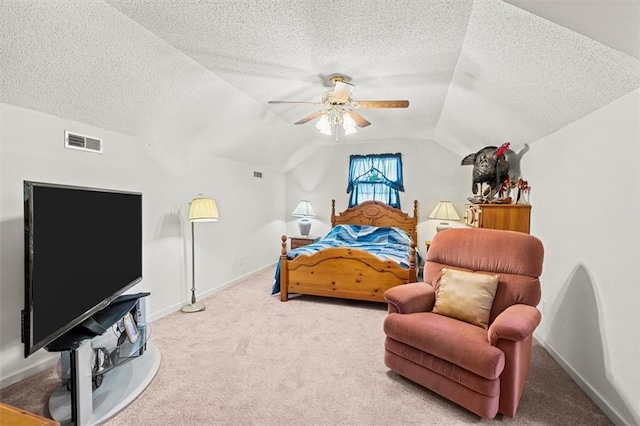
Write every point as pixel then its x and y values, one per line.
pixel 250 225
pixel 586 211
pixel 431 173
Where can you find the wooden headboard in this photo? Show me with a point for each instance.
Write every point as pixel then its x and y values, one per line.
pixel 376 213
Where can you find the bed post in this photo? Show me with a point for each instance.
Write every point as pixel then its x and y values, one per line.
pixel 284 273
pixel 333 213
pixel 412 263
pixel 412 256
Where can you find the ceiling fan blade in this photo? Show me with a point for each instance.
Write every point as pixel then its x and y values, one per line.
pixel 310 117
pixel 382 104
pixel 342 90
pixel 292 102
pixel 360 120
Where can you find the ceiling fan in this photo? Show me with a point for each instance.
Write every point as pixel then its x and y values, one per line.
pixel 338 107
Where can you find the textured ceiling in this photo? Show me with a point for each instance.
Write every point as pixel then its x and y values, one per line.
pixel 196 76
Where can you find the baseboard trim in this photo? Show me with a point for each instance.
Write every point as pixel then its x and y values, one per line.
pixel 591 392
pixel 30 371
pixel 177 306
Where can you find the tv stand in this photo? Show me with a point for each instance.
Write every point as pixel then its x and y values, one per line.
pixel 82 399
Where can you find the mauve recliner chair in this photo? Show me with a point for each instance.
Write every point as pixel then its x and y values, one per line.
pixel 481 369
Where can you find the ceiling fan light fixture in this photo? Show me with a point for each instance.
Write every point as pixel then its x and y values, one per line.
pixel 326 131
pixel 348 124
pixel 350 131
pixel 323 125
pixel 339 108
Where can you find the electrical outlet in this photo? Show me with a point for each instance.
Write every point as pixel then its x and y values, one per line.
pixel 240 260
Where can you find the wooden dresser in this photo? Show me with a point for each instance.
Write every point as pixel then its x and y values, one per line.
pixel 513 217
pixel 11 416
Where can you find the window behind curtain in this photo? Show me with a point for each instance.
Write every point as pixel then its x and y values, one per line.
pixel 375 177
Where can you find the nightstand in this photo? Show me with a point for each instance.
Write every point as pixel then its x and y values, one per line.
pixel 302 241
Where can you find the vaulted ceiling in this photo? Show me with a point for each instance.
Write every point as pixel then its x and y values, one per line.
pixel 196 77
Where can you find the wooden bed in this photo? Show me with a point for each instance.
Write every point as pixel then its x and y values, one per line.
pixel 351 273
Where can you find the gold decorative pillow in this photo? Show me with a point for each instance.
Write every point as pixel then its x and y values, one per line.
pixel 466 296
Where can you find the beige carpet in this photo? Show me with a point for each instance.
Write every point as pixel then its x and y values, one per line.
pixel 250 359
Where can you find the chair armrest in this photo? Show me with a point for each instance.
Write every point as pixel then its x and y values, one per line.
pixel 409 298
pixel 515 323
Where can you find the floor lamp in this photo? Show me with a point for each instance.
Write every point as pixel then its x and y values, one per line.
pixel 200 210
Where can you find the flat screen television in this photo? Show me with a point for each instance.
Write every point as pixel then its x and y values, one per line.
pixel 83 248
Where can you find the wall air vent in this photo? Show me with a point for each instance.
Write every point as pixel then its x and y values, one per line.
pixel 82 142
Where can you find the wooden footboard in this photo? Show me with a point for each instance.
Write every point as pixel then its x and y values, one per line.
pixel 344 273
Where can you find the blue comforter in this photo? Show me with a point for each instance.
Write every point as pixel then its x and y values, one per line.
pixel 386 243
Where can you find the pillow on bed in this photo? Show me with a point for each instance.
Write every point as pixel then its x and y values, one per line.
pixel 466 296
pixel 343 234
pixel 399 236
pixel 383 235
pixel 371 234
pixel 367 234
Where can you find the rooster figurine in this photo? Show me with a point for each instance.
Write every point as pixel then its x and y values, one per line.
pixel 489 166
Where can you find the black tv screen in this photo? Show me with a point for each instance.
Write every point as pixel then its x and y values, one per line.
pixel 83 248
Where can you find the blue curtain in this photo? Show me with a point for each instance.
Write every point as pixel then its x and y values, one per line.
pixel 375 177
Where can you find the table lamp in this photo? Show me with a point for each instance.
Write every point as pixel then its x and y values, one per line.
pixel 444 211
pixel 304 211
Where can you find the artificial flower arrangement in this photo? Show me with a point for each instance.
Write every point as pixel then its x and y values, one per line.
pixel 511 185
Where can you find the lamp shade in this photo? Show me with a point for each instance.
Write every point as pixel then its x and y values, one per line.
pixel 303 209
pixel 203 210
pixel 349 124
pixel 324 125
pixel 444 211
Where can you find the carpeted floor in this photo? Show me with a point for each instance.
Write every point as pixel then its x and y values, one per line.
pixel 249 359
